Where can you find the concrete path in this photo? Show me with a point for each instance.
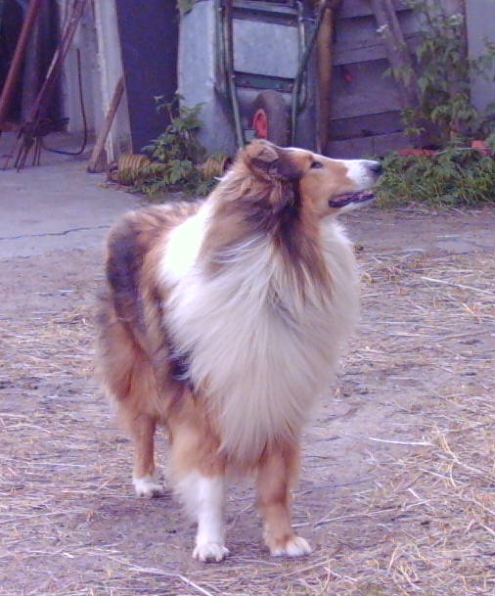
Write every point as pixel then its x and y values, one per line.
pixel 54 206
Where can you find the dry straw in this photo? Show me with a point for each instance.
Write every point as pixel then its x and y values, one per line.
pixel 398 486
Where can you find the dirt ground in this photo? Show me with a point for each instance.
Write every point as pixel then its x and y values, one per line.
pixel 397 492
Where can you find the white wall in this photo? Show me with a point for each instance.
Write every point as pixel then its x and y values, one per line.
pixel 98 41
pixel 110 70
pixel 84 42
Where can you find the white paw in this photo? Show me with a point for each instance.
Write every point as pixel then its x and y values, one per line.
pixel 210 552
pixel 148 486
pixel 294 547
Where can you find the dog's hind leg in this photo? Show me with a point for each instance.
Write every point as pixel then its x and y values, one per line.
pixel 276 472
pixel 144 477
pixel 129 380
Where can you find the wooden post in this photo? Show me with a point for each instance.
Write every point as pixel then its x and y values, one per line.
pixel 15 67
pixel 94 164
pixel 324 66
pixel 396 48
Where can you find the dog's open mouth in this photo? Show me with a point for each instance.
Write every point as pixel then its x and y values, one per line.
pixel 355 198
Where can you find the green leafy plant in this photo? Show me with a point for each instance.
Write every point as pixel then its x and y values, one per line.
pixel 456 176
pixel 443 71
pixel 185 6
pixel 176 154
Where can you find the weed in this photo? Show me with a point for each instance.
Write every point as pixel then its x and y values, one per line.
pixel 456 176
pixel 176 154
pixel 443 79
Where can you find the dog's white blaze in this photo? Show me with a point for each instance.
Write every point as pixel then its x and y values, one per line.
pixel 261 365
pixel 359 171
pixel 204 498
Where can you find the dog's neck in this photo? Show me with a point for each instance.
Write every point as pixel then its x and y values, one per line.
pixel 276 218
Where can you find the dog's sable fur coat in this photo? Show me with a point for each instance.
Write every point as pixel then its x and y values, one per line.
pixel 223 320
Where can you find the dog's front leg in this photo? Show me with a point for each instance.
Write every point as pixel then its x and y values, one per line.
pixel 199 472
pixel 204 497
pixel 276 473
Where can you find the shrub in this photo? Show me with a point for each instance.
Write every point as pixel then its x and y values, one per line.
pixel 442 75
pixel 176 154
pixel 455 176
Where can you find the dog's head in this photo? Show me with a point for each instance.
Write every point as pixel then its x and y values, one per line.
pixel 327 186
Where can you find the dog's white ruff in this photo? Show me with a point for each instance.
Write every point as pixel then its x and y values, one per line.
pixel 261 351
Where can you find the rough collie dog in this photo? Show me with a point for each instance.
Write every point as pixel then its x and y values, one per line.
pixel 223 320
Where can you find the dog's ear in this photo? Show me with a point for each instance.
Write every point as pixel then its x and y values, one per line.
pixel 267 160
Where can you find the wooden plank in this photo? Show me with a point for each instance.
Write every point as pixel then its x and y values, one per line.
pixel 362 8
pixel 95 161
pixel 324 57
pixel 14 71
pixel 357 40
pixel 361 89
pixel 367 125
pixel 366 51
pixel 370 36
pixel 395 45
pixel 350 51
pixel 375 146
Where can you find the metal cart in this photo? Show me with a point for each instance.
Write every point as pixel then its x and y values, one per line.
pixel 250 64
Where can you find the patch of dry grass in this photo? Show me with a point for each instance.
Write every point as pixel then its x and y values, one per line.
pixel 415 409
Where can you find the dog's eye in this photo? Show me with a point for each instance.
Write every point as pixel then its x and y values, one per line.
pixel 316 165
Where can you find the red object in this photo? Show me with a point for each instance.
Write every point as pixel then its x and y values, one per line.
pixel 413 151
pixel 482 147
pixel 260 124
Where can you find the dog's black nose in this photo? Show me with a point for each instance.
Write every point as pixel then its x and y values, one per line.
pixel 376 167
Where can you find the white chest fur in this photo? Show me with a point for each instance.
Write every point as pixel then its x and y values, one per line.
pixel 262 355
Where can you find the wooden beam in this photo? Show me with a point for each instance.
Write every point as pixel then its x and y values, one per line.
pixel 376 145
pixel 396 48
pixel 94 164
pixel 18 58
pixel 324 55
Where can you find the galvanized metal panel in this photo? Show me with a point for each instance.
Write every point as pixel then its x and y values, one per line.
pixel 197 77
pixel 265 48
pixel 265 43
